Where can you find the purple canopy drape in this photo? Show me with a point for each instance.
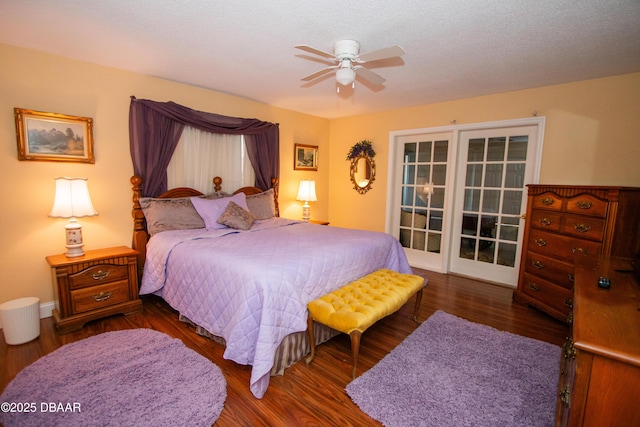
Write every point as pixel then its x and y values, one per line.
pixel 155 128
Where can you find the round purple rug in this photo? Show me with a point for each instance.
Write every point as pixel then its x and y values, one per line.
pixel 130 377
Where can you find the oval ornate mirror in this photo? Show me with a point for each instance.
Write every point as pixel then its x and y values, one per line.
pixel 363 167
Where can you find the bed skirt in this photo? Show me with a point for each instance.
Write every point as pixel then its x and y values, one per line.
pixel 292 349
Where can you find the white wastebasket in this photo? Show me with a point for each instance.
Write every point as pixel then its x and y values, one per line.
pixel 20 320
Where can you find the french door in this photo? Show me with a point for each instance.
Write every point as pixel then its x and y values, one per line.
pixel 494 165
pixel 456 196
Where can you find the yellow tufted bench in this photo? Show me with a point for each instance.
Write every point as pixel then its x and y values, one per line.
pixel 358 305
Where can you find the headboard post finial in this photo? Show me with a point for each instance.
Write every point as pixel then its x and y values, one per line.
pixel 217 183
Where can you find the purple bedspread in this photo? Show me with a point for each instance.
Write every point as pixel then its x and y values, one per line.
pixel 252 287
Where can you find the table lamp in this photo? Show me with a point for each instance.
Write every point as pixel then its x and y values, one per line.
pixel 72 201
pixel 306 194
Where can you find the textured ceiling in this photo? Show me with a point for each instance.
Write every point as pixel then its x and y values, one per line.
pixel 454 48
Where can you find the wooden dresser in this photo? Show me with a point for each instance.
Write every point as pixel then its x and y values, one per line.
pixel 600 368
pixel 565 222
pixel 98 284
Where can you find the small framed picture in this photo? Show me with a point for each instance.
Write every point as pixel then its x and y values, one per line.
pixel 305 157
pixel 53 137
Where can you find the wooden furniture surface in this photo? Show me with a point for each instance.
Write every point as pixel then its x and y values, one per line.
pixel 600 368
pixel 101 283
pixel 567 222
pixel 140 234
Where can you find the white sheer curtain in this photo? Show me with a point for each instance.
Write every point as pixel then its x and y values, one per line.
pixel 200 156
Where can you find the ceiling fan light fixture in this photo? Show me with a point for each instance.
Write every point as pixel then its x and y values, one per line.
pixel 345 76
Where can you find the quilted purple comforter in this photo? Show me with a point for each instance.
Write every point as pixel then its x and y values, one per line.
pixel 252 287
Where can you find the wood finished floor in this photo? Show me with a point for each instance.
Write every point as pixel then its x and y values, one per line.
pixel 308 395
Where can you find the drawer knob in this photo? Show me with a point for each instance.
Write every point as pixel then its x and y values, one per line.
pixel 534 287
pixel 568 302
pixel 537 264
pixel 579 251
pixel 583 228
pixel 541 242
pixel 584 205
pixel 547 201
pixel 102 296
pixel 100 274
pixel 571 277
pixel 545 221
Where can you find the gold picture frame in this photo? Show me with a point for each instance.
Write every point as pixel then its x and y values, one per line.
pixel 53 137
pixel 305 157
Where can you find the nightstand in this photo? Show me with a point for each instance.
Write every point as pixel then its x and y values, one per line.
pixel 100 283
pixel 315 221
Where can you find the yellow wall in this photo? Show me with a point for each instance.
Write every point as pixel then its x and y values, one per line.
pixel 37 81
pixel 592 137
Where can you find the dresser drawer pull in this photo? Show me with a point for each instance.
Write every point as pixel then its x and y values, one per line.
pixel 102 296
pixel 545 221
pixel 571 277
pixel 547 201
pixel 534 287
pixel 570 318
pixel 584 205
pixel 100 274
pixel 541 242
pixel 565 396
pixel 537 264
pixel 579 251
pixel 583 228
pixel 568 302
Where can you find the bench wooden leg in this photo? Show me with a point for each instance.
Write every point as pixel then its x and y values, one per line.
pixel 417 307
pixel 312 339
pixel 355 350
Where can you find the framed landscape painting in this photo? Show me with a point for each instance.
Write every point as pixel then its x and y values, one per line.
pixel 305 157
pixel 53 137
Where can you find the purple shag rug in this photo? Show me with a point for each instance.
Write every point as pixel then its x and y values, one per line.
pixel 452 372
pixel 123 378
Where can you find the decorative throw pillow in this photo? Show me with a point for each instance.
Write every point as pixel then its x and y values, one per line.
pixel 210 210
pixel 236 217
pixel 262 205
pixel 169 214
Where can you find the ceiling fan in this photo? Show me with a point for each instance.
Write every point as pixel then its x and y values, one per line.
pixel 347 57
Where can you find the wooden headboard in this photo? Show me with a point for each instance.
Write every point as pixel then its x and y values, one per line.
pixel 140 234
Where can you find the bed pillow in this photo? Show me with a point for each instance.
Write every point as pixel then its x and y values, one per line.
pixel 173 214
pixel 170 214
pixel 262 205
pixel 210 210
pixel 236 217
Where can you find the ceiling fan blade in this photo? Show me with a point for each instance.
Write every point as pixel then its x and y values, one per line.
pixel 319 73
pixel 373 78
pixel 387 52
pixel 315 51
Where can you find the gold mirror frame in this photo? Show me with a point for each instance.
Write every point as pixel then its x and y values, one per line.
pixel 362 179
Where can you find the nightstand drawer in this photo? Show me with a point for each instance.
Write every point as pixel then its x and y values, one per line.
pixel 99 296
pixel 97 275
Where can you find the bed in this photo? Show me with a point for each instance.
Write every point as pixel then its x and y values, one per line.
pixel 248 286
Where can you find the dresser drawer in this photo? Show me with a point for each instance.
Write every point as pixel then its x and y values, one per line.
pixel 547 201
pixel 98 274
pixel 583 227
pixel 546 220
pixel 547 293
pixel 586 204
pixel 559 246
pixel 99 296
pixel 552 269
